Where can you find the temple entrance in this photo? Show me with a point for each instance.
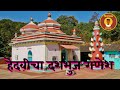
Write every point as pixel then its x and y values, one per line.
pixel 64 56
pixel 84 56
pixel 67 53
pixel 29 55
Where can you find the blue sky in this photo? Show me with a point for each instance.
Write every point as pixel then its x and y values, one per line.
pixel 38 16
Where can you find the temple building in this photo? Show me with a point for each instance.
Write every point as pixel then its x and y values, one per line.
pixel 45 42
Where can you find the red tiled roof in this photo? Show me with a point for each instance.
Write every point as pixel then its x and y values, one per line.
pixel 51 30
pixel 50 21
pixel 69 46
pixel 30 26
pixel 46 36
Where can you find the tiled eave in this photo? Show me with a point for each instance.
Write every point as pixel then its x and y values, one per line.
pixel 48 37
pixel 50 34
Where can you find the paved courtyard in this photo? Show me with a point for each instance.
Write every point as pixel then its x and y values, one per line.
pixel 83 73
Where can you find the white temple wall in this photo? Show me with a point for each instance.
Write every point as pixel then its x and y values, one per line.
pixel 53 50
pixel 77 52
pixel 38 52
pixel 18 53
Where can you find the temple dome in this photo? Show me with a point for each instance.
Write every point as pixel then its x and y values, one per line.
pixel 50 24
pixel 29 27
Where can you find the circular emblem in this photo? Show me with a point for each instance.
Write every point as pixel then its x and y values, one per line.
pixel 108 21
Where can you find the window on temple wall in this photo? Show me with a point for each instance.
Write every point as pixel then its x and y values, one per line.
pixel 54 58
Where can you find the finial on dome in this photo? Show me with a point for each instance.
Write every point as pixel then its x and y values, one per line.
pixel 31 19
pixel 96 23
pixel 74 32
pixel 15 35
pixel 96 27
pixel 49 14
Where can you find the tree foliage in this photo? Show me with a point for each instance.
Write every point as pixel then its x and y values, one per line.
pixel 7 30
pixel 67 23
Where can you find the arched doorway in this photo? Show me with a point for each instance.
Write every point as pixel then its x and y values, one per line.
pixel 29 55
pixel 64 56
